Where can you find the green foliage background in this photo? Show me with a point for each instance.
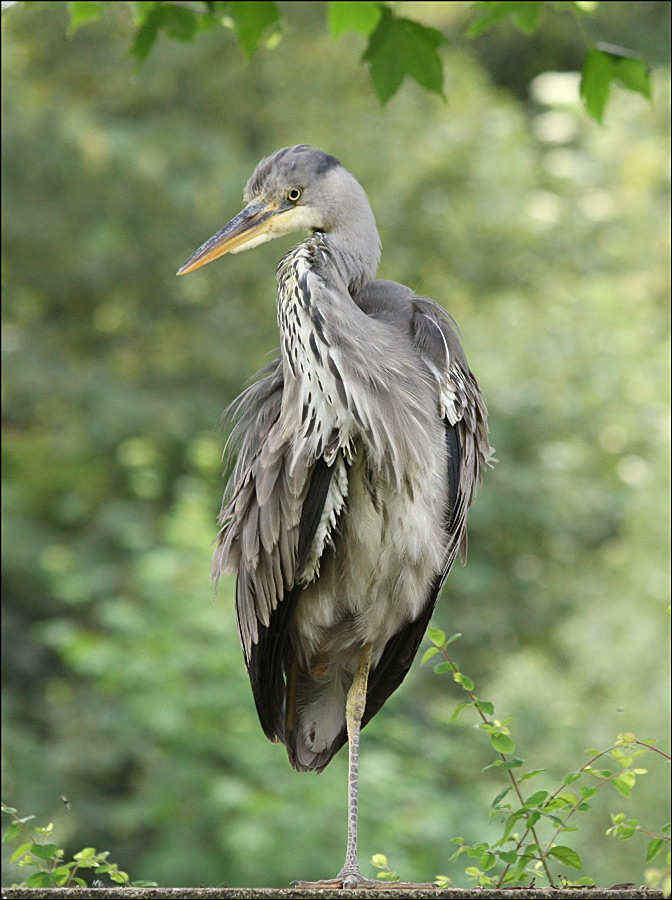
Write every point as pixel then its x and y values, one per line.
pixel 544 234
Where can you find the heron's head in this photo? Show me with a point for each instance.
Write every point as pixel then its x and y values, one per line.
pixel 295 189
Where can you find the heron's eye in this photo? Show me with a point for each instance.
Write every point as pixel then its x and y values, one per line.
pixel 294 195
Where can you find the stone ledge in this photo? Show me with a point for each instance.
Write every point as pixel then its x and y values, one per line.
pixel 203 893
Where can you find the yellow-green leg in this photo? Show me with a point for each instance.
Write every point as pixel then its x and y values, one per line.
pixel 350 875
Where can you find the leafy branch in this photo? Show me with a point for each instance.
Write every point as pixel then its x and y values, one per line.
pixel 396 46
pixel 555 808
pixel 36 851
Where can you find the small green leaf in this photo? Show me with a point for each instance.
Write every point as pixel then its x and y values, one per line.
pixel 464 680
pixel 600 773
pixel 39 879
pixel 436 636
pixel 510 857
pixel 654 849
pixel 150 18
pixel 44 851
pixel 457 711
pixel 488 860
pixel 514 763
pixel 252 20
pixel 400 47
pixel 498 799
pixel 532 774
pixel 180 23
pixel 511 823
pixel 525 16
pixel 20 851
pixel 453 638
pixel 441 667
pixel 536 799
pixel 571 778
pixel 502 743
pixel 487 708
pixel 362 17
pixel 604 64
pixel 624 783
pixel 81 13
pixel 596 78
pixel 428 654
pixel 567 856
pixel 11 833
pixel 379 860
pixel 634 75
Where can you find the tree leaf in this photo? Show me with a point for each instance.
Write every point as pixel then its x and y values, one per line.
pixel 400 47
pixel 498 799
pixel 151 17
pixel 464 680
pixel 428 654
pixel 606 63
pixel 596 78
pixel 362 17
pixel 251 21
pixel 11 833
pixel 536 799
pixel 39 879
pixel 44 851
pixel 502 743
pixel 624 783
pixel 488 860
pixel 566 855
pixel 634 75
pixel 458 710
pixel 524 16
pixel 654 849
pixel 20 851
pixel 436 636
pixel 81 13
pixel 514 763
pixel 442 667
pixel 180 23
pixel 61 875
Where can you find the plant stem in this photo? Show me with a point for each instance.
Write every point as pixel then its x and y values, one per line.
pixel 514 782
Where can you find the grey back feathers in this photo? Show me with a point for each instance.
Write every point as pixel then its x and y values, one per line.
pixel 356 454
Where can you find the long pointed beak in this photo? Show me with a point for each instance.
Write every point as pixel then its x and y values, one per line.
pixel 250 227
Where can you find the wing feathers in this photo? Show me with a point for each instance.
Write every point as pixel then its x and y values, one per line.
pixel 283 503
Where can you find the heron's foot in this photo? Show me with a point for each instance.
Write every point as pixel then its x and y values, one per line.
pixel 347 880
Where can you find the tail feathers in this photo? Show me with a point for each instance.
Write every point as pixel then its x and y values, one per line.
pixel 315 726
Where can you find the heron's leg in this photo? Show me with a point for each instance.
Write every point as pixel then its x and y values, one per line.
pixel 350 875
pixel 354 712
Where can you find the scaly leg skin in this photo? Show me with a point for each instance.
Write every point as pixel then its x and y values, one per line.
pixel 350 875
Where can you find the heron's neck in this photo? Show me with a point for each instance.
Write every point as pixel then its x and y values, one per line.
pixel 354 249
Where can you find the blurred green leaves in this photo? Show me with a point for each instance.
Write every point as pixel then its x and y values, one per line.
pixel 606 65
pixel 396 47
pixel 400 47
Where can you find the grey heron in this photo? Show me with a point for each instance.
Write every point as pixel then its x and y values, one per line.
pixel 357 451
